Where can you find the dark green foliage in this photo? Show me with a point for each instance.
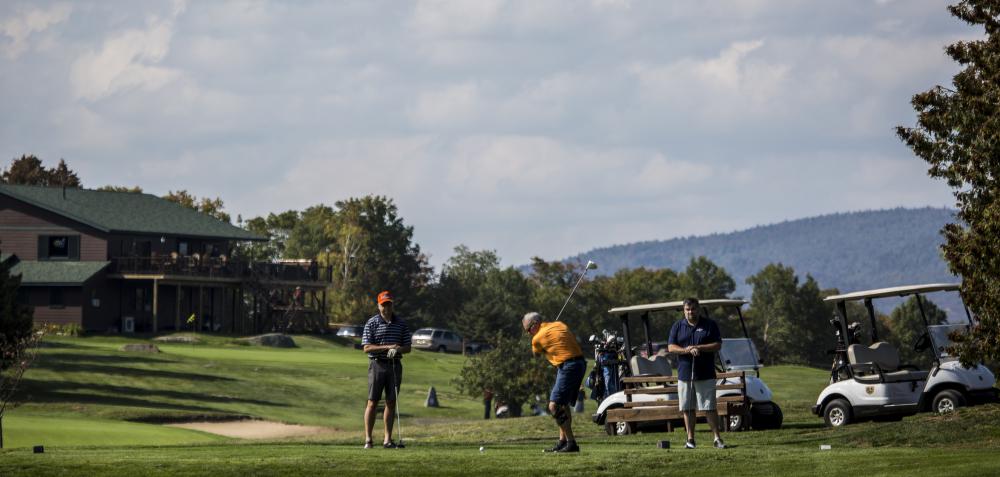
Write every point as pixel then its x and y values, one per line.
pixel 277 228
pixel 213 207
pixel 114 188
pixel 789 319
pixel 509 370
pixel 905 325
pixel 373 250
pixel 476 297
pixel 15 319
pixel 28 170
pixel 958 135
pixel 309 236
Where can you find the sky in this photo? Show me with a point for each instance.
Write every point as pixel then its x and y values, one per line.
pixel 532 128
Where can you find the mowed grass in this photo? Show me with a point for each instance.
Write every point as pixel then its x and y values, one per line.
pixel 83 391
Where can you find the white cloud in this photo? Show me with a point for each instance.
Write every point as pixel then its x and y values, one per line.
pixel 454 17
pixel 21 27
pixel 732 85
pixel 127 60
pixel 454 104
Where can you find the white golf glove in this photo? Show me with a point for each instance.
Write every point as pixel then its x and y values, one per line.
pixel 391 353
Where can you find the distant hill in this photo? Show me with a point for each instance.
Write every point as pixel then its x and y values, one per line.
pixel 849 251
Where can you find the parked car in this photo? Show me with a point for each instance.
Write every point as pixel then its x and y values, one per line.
pixel 436 339
pixel 476 347
pixel 350 331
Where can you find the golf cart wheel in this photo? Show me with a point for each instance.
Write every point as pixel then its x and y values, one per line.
pixel 947 401
pixel 620 428
pixel 738 422
pixel 837 413
pixel 766 416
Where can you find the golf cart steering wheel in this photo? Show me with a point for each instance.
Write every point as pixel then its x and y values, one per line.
pixel 922 343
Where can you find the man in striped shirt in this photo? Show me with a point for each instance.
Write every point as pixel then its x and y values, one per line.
pixel 385 338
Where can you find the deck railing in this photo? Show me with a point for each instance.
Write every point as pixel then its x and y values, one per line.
pixel 220 267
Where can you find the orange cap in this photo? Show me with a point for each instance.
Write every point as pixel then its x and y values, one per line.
pixel 384 297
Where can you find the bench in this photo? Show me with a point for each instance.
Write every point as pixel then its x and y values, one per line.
pixel 664 409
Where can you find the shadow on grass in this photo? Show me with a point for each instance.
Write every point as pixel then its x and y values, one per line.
pixel 59 345
pixel 75 367
pixel 97 358
pixel 70 391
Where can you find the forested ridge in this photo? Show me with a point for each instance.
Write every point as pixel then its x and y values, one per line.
pixel 847 251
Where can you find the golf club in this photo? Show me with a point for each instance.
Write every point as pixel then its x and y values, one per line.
pixel 590 266
pixel 399 421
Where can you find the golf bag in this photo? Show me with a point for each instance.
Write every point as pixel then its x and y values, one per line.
pixel 605 378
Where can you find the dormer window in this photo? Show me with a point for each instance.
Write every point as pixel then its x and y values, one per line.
pixel 59 246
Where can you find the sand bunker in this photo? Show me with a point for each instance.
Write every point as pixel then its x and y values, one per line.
pixel 250 429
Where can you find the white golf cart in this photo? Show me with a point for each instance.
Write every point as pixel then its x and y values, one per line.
pixel 868 381
pixel 737 354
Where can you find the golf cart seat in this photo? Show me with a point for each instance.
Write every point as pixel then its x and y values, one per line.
pixel 658 365
pixel 885 357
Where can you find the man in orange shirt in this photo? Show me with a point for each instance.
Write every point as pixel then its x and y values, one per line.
pixel 559 346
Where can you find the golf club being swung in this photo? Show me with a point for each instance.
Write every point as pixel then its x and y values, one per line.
pixel 590 266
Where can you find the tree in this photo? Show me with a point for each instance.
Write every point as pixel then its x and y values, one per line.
pixel 114 188
pixel 958 135
pixel 499 301
pixel 703 279
pixel 388 259
pixel 276 227
pixel 18 341
pixel 28 170
pixel 213 207
pixel 906 325
pixel 509 371
pixel 62 176
pixel 313 233
pixel 586 313
pixel 788 318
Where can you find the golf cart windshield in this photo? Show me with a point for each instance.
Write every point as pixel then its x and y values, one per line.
pixel 738 354
pixel 939 337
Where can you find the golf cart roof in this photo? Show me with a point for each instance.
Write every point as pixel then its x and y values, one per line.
pixel 894 291
pixel 673 305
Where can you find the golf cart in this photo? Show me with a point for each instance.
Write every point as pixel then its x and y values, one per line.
pixel 868 381
pixel 738 368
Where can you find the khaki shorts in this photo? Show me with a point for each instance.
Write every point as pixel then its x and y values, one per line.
pixel 698 395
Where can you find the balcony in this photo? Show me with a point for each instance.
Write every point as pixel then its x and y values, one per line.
pixel 221 268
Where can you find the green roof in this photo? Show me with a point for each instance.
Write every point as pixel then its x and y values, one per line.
pixel 127 212
pixel 56 273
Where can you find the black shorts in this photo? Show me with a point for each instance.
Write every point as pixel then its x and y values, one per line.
pixel 380 374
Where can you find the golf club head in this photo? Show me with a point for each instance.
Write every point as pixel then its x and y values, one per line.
pixel 591 265
pixel 400 445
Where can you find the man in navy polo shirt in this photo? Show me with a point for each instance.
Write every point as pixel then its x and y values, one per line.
pixel 385 338
pixel 695 340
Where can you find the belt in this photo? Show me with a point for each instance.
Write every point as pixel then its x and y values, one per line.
pixel 578 358
pixel 383 360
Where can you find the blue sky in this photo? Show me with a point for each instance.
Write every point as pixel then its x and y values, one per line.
pixel 532 128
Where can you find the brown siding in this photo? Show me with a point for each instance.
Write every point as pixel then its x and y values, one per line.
pixel 59 316
pixel 21 224
pixel 22 243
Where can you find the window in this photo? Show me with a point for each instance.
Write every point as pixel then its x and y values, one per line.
pixel 56 298
pixel 58 247
pixel 142 300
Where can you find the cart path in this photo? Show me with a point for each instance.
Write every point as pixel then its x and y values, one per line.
pixel 253 429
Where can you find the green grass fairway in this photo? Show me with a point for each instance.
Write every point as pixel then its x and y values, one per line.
pixel 29 430
pixel 94 408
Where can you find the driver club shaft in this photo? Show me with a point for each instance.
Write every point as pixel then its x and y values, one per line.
pixel 590 265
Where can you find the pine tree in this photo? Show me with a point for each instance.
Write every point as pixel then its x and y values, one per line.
pixel 958 134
